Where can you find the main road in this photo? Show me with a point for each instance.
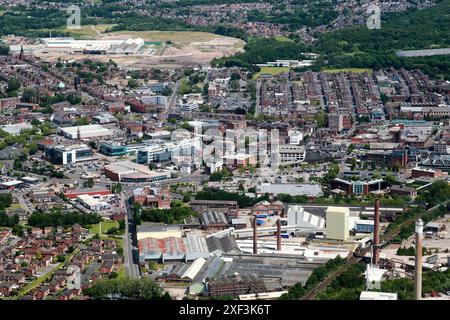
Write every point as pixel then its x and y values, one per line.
pixel 130 240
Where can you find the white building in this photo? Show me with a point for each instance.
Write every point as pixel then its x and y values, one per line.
pixel 290 153
pixel 166 151
pixel 372 295
pixel 91 131
pixel 69 154
pixel 105 118
pixel 92 203
pixel 120 46
pixel 295 137
pixel 14 129
pixel 297 216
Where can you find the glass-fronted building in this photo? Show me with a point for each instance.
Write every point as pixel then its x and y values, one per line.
pixel 113 150
pixel 68 154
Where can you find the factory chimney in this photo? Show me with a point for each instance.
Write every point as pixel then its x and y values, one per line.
pixel 278 235
pixel 418 271
pixel 376 234
pixel 255 237
pixel 78 134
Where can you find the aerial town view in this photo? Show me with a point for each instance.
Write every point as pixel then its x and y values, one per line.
pixel 233 150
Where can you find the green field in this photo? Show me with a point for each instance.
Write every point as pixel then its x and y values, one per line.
pixel 271 70
pixel 284 39
pixel 354 70
pixel 86 31
pixel 106 225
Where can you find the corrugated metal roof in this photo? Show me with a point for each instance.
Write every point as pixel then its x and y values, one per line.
pixel 194 269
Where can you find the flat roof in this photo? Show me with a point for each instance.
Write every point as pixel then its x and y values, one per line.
pixel 91 130
pixel 371 295
pixel 291 189
pixel 343 210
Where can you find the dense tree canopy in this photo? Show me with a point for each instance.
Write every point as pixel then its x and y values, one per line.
pixel 134 289
pixel 56 218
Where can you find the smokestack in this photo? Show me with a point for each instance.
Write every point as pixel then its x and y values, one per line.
pixel 278 235
pixel 418 271
pixel 376 233
pixel 255 237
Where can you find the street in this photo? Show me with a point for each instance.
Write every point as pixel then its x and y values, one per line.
pixel 131 264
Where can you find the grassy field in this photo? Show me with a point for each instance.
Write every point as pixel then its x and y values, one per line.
pixel 271 70
pixel 106 225
pixel 176 37
pixel 283 39
pixel 354 70
pixel 86 31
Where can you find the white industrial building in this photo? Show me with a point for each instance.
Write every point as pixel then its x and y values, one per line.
pixel 297 216
pixel 14 129
pixel 92 203
pixel 91 131
pixel 121 46
pixel 373 295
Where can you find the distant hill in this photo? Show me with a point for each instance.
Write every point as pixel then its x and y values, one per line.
pixel 415 29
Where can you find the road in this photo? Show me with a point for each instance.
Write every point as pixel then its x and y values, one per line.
pixel 173 98
pixel 129 249
pixel 361 253
pixel 25 204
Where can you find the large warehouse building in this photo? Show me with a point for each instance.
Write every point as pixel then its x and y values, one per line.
pixel 126 171
pixel 124 47
pixel 91 131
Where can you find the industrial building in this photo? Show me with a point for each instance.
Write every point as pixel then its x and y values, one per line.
pixel 120 47
pixel 92 203
pixel 235 285
pixel 105 118
pixel 364 226
pixel 127 171
pixel 298 216
pixel 68 154
pixel 14 129
pixel 185 249
pixel 337 223
pixel 92 131
pixel 373 295
pixel 213 219
pixel 357 187
pixel 229 205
